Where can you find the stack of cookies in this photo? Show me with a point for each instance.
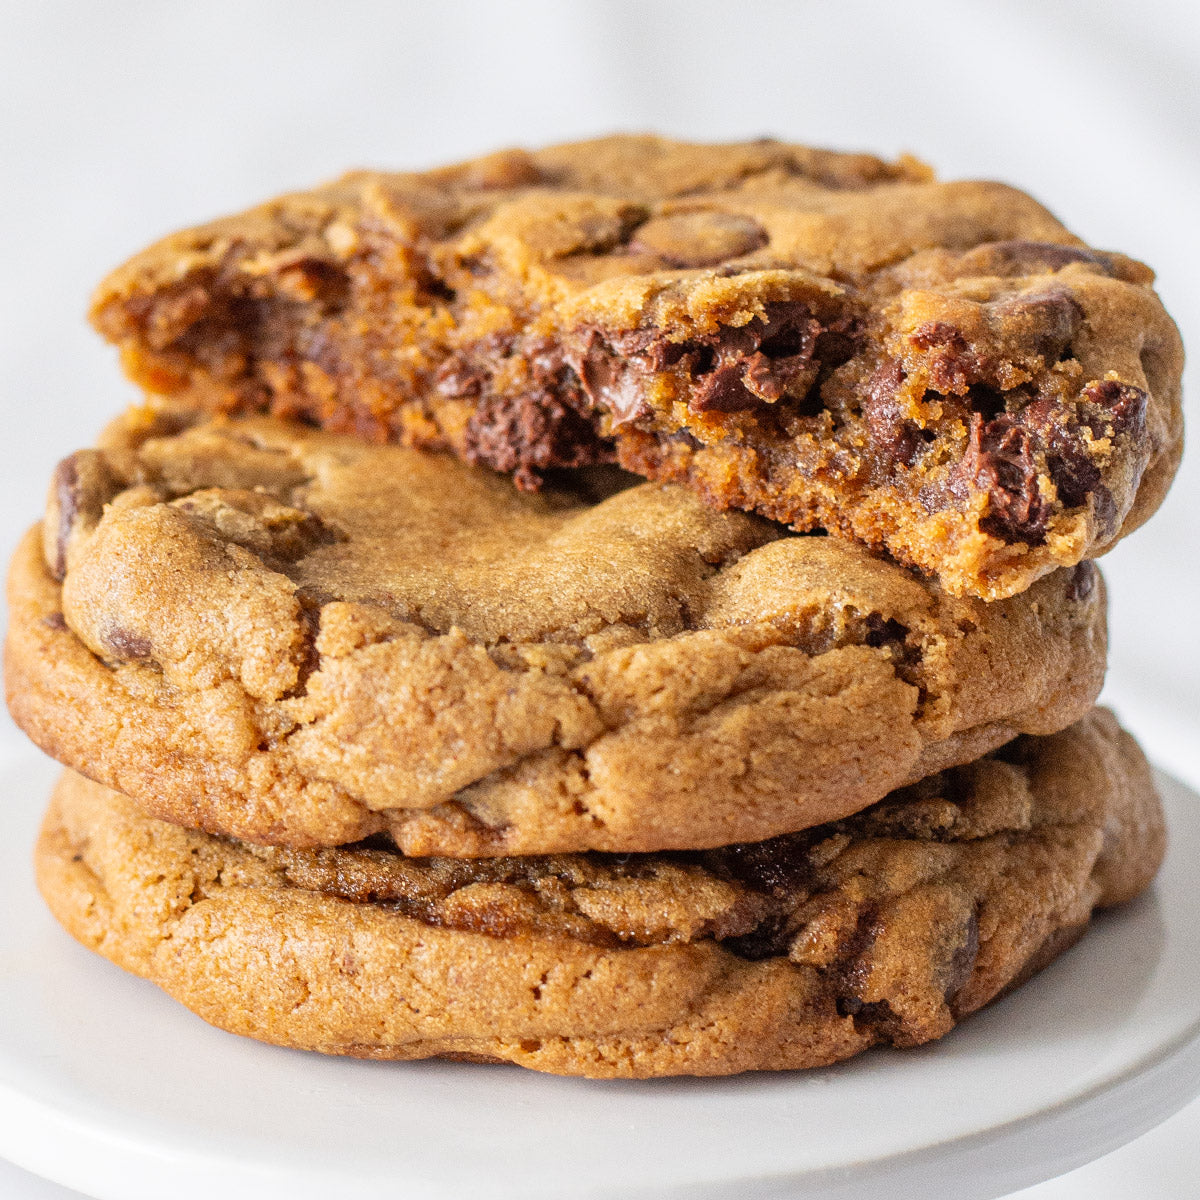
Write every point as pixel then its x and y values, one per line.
pixel 625 609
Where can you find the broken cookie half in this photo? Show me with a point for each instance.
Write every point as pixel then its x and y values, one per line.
pixel 941 370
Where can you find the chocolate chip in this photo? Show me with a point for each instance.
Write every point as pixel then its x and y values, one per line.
pixel 611 382
pixel 1104 508
pixel 767 360
pixel 962 962
pixel 937 335
pixel 80 488
pixel 64 490
pixel 722 390
pixel 1021 257
pixel 779 866
pixel 856 961
pixel 547 426
pixel 1109 408
pixel 736 369
pixel 884 632
pixel 1083 581
pixel 1001 461
pixel 526 435
pixel 127 646
pixel 467 372
pixel 280 534
pixel 553 421
pixel 1045 321
pixel 1124 404
pixel 867 1012
pixel 894 439
pixel 771 939
pixel 308 279
pixel 699 239
pixel 55 621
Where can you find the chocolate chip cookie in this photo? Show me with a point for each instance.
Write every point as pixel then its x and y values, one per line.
pixel 889 926
pixel 830 340
pixel 293 636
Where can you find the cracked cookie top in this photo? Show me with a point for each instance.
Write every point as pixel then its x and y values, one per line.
pixel 887 926
pixel 940 369
pixel 295 636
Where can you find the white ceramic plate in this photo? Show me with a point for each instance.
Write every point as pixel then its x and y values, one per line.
pixel 109 1087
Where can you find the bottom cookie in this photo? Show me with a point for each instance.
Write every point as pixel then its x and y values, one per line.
pixel 888 926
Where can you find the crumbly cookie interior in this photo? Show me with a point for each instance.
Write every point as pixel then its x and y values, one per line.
pixel 836 342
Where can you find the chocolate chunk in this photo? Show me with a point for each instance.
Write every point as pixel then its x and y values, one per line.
pixel 55 621
pixel 1083 581
pixel 548 425
pixel 611 381
pixel 526 435
pixel 894 439
pixel 1124 404
pixel 723 390
pixel 771 939
pixel 884 632
pixel 766 361
pixel 699 239
pixel 127 646
pixel 1001 461
pixel 1044 321
pixel 1075 476
pixel 962 962
pixel 80 488
pixel 779 866
pixel 1021 257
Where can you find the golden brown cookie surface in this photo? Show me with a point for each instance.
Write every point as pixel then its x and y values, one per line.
pixel 296 637
pixel 941 369
pixel 889 926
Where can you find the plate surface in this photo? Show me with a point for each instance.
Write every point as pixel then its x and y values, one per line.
pixel 108 1086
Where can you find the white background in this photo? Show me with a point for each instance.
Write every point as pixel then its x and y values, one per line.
pixel 122 120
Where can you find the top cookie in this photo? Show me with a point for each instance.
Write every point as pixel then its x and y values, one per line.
pixel 293 636
pixel 941 369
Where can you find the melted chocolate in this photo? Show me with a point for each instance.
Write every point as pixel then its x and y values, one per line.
pixel 1001 460
pixel 547 426
pixel 894 439
pixel 737 369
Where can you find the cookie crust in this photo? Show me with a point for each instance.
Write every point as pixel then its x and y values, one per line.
pixel 292 636
pixel 888 927
pixel 940 369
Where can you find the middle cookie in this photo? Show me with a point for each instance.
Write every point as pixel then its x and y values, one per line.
pixel 289 636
